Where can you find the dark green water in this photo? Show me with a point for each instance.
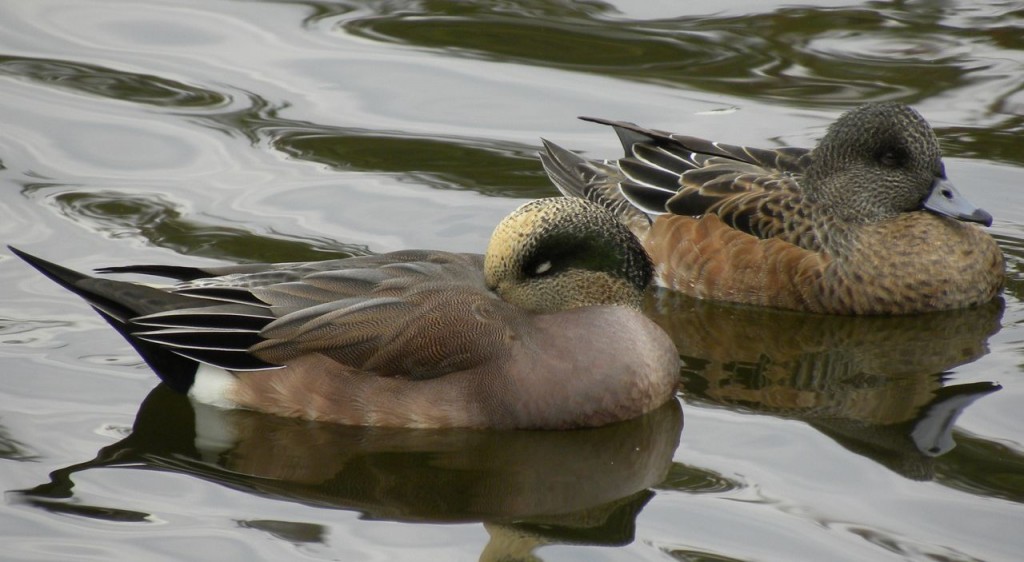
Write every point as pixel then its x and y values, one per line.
pixel 186 132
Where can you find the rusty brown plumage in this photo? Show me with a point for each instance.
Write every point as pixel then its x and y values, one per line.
pixel 865 223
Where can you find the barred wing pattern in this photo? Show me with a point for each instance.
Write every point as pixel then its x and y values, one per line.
pixel 756 191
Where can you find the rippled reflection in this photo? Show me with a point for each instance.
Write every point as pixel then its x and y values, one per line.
pixel 981 466
pixel 829 54
pixel 874 385
pixel 483 165
pixel 801 55
pixel 13 449
pixel 109 83
pixel 491 168
pixel 695 480
pixel 1013 250
pixel 535 487
pixel 164 223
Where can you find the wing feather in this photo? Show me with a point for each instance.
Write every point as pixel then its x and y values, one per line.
pixel 753 190
pixel 372 314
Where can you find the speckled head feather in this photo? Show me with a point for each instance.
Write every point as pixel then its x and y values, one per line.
pixel 562 253
pixel 887 145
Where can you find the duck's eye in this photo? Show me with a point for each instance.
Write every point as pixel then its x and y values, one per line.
pixel 559 255
pixel 892 157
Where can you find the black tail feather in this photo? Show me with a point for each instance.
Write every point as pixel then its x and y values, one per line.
pixel 179 272
pixel 118 302
pixel 176 371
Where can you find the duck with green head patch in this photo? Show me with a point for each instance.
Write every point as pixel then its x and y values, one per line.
pixel 543 332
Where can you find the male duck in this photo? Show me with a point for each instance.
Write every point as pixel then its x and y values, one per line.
pixel 543 332
pixel 865 223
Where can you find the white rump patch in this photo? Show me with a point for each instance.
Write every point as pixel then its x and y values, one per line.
pixel 213 386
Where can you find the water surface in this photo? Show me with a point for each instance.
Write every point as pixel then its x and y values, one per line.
pixel 203 131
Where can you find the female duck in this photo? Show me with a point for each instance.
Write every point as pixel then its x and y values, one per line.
pixel 865 223
pixel 542 332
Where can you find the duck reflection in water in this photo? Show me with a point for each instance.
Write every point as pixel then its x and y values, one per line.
pixel 530 488
pixel 878 386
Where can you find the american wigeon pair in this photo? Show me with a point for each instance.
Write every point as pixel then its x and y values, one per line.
pixel 865 223
pixel 544 331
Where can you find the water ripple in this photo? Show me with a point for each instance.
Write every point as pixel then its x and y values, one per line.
pixel 165 223
pixel 814 56
pixel 489 167
pixel 109 83
pixel 693 480
pixel 982 467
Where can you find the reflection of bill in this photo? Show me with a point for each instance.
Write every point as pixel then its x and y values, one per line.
pixel 874 384
pixel 552 486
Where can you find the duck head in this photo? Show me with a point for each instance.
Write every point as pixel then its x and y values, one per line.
pixel 880 160
pixel 560 253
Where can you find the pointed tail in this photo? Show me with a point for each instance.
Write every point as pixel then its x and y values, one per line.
pixel 118 302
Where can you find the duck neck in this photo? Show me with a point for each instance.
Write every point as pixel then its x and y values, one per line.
pixel 833 197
